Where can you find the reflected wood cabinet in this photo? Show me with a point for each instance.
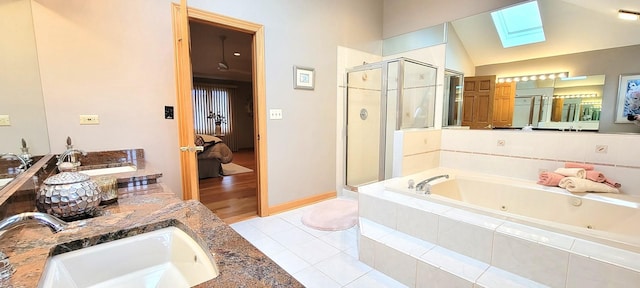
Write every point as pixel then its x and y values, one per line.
pixel 478 97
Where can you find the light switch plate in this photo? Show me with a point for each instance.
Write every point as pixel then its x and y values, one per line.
pixel 275 114
pixel 5 120
pixel 89 120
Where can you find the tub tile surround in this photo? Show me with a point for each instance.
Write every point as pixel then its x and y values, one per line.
pixel 443 263
pixel 415 150
pixel 525 154
pixel 457 243
pixel 531 260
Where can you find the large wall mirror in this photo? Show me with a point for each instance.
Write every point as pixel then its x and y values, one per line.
pixel 22 114
pixel 562 103
pixel 583 38
pixel 20 86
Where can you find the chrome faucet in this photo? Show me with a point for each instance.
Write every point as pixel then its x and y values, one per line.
pixel 70 154
pixel 26 162
pixel 424 185
pixel 56 225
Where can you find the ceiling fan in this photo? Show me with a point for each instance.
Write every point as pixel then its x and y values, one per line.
pixel 222 65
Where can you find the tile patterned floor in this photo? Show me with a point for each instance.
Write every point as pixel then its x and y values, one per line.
pixel 316 258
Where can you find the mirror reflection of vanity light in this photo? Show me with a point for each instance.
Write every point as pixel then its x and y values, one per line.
pixel 543 76
pixel 591 95
pixel 628 15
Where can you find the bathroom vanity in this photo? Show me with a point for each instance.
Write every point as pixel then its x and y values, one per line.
pixel 143 206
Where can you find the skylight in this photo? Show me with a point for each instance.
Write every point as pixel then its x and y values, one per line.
pixel 519 25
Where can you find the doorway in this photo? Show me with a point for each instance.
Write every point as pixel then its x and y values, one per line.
pixel 186 101
pixel 221 64
pixel 452 111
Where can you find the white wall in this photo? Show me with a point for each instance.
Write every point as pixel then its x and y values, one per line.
pixel 457 58
pixel 115 59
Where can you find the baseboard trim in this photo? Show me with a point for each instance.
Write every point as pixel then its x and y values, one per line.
pixel 238 218
pixel 301 202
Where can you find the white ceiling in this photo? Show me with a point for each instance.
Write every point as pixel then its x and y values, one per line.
pixel 206 52
pixel 571 26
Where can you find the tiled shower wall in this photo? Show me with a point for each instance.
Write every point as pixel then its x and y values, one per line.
pixel 518 154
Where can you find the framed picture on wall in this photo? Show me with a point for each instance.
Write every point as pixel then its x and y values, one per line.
pixel 303 78
pixel 628 97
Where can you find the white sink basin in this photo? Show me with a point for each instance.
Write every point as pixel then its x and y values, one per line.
pixel 163 258
pixel 110 170
pixel 5 181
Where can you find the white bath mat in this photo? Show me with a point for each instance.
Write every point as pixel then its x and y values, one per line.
pixel 332 215
pixel 232 168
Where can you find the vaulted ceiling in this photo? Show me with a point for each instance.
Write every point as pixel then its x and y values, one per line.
pixel 571 26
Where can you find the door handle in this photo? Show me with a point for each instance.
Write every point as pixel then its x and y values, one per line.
pixel 191 148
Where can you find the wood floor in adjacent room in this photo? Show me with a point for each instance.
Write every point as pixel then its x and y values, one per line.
pixel 233 198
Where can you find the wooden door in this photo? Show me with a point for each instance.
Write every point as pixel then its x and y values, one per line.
pixel 184 79
pixel 503 102
pixel 477 107
pixel 556 110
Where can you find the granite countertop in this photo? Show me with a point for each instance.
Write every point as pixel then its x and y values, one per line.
pixel 140 209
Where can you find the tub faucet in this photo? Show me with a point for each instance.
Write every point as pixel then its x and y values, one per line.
pixel 424 185
pixel 56 225
pixel 26 162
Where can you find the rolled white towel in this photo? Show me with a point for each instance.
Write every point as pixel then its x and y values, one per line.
pixel 574 184
pixel 572 172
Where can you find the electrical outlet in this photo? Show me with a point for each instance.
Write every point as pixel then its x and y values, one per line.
pixel 275 114
pixel 5 120
pixel 602 149
pixel 501 142
pixel 89 120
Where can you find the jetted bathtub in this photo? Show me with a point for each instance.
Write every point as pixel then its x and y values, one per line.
pixel 490 231
pixel 612 219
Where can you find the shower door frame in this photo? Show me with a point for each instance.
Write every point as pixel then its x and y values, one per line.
pixel 382 65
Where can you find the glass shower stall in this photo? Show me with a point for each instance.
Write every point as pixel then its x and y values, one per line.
pixel 381 98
